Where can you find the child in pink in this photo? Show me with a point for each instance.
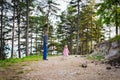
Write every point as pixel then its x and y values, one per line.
pixel 65 51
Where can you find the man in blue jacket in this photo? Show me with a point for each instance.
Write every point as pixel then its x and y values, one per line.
pixel 45 45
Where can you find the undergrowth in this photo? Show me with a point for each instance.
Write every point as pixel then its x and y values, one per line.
pixel 95 57
pixel 12 61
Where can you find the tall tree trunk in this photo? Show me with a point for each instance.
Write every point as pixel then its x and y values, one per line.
pixel 31 43
pixel 1 33
pixel 82 48
pixel 77 41
pixel 98 35
pixel 36 43
pixel 18 23
pixel 87 48
pixel 19 52
pixel 12 51
pixel 41 44
pixel 71 41
pixel 27 27
pixel 91 29
pixel 48 25
pixel 116 19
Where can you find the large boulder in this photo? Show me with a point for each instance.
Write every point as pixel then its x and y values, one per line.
pixel 114 51
pixel 110 50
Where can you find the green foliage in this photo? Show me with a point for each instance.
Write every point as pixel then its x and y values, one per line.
pixel 116 38
pixel 10 62
pixel 95 57
pixel 108 11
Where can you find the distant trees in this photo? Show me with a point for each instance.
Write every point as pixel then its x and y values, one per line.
pixel 80 26
pixel 12 15
pixel 19 25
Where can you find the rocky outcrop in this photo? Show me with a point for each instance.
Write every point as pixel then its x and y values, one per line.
pixel 110 50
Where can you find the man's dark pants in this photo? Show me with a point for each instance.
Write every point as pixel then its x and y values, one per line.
pixel 45 50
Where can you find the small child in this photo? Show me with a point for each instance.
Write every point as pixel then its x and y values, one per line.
pixel 66 51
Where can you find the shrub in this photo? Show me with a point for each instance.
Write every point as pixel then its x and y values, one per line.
pixel 96 57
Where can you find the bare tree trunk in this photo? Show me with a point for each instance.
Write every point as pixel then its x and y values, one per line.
pixel 116 20
pixel 77 41
pixel 82 48
pixel 27 27
pixel 19 52
pixel 48 25
pixel 91 29
pixel 13 28
pixel 1 33
pixel 87 48
pixel 98 35
pixel 71 41
pixel 18 19
pixel 36 42
pixel 31 42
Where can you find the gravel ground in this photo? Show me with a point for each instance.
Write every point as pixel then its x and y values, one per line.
pixel 68 68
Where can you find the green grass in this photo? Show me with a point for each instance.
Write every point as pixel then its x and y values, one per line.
pixel 97 57
pixel 10 62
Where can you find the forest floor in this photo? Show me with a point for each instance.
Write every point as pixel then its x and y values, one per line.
pixel 60 68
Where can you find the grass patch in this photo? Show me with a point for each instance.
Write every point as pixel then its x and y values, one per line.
pixel 32 58
pixel 97 57
pixel 12 61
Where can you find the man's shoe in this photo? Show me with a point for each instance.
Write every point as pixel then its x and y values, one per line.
pixel 45 59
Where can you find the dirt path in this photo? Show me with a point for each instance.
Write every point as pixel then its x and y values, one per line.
pixel 69 68
pixel 59 68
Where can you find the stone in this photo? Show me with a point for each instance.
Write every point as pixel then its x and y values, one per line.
pixel 108 68
pixel 84 65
